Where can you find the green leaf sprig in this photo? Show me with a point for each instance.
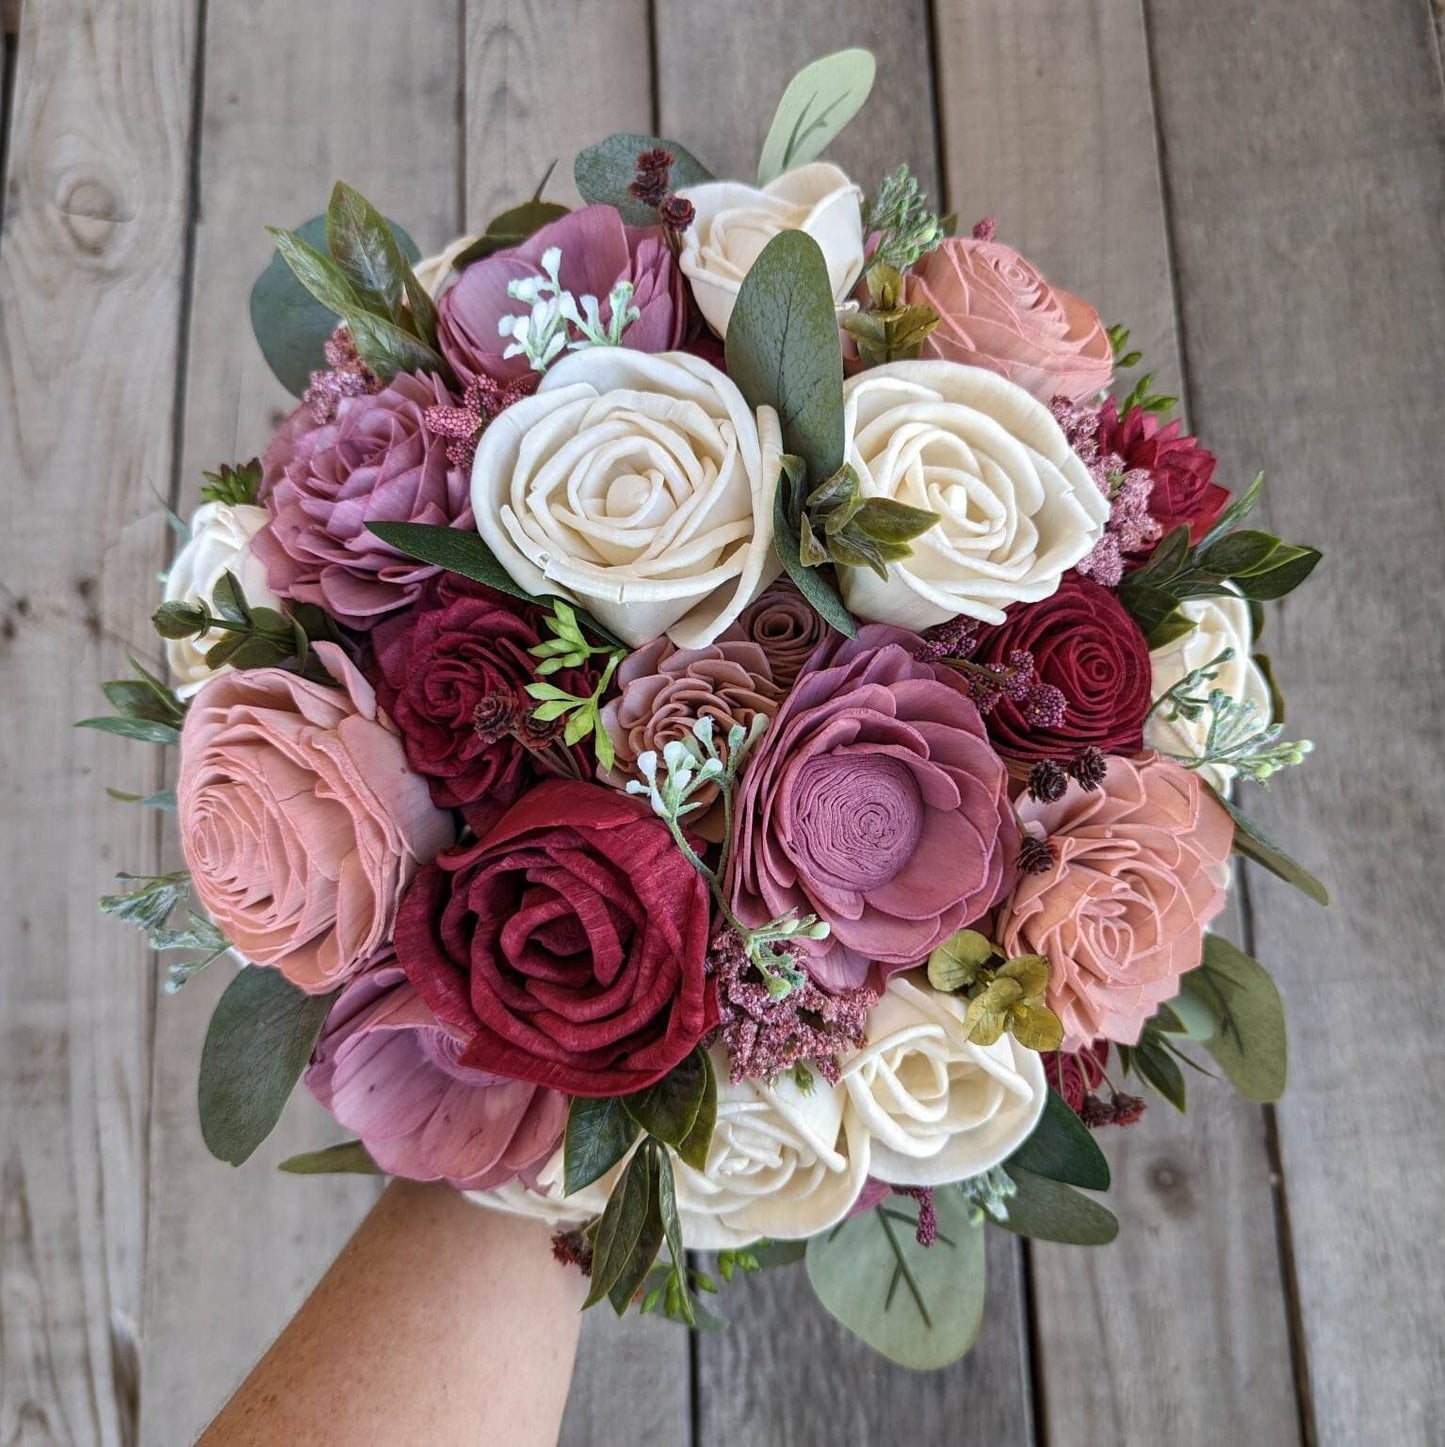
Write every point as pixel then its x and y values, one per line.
pixel 1141 395
pixel 1003 994
pixel 906 227
pixel 235 486
pixel 583 715
pixel 145 710
pixel 839 525
pixel 513 226
pixel 368 282
pixel 888 329
pixel 152 903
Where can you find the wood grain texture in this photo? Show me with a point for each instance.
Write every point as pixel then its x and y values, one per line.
pixel 720 71
pixel 543 79
pixel 291 103
pixel 722 68
pixel 90 271
pixel 1048 124
pixel 631 1381
pixel 1306 159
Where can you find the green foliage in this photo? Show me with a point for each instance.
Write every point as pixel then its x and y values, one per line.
pixel 162 799
pixel 258 1042
pixel 919 1306
pixel 1003 995
pixel 905 227
pixel 1252 842
pixel 1155 1059
pixel 160 905
pixel 1062 1148
pixel 234 486
pixel 145 709
pixel 630 1231
pixel 604 172
pixel 668 1111
pixel 1249 1042
pixel 457 550
pixel 600 1131
pixel 1046 1210
pixel 583 715
pixel 291 325
pixel 365 279
pixel 788 522
pixel 819 101
pixel 839 525
pixel 349 1158
pixel 888 330
pixel 568 646
pixel 1141 395
pixel 1256 565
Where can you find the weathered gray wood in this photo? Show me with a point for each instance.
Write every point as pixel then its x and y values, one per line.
pixel 1177 1332
pixel 293 100
pixel 1306 158
pixel 90 273
pixel 542 80
pixel 721 70
pixel 787 1373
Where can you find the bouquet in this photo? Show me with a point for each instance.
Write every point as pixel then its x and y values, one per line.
pixel 713 725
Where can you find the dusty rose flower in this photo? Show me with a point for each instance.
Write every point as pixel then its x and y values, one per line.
pixel 375 463
pixel 388 1070
pixel 598 251
pixel 996 310
pixel 662 691
pixel 876 802
pixel 1139 870
pixel 300 821
pixel 786 627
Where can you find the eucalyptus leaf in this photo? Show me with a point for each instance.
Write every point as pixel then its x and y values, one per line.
pixel 258 1042
pixel 1194 1012
pixel 919 1306
pixel 1046 1210
pixel 1062 1148
pixel 814 585
pixel 783 350
pixel 599 1133
pixel 349 1158
pixel 1250 1045
pixel 291 326
pixel 957 961
pixel 604 172
pixel 819 101
pixel 1252 842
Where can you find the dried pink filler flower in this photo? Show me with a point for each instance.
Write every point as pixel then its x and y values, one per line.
pixel 767 1036
pixel 346 375
pixel 482 403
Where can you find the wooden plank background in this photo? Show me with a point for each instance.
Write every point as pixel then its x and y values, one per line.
pixel 1255 186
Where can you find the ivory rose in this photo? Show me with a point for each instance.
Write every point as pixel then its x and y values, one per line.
pixel 938 1109
pixel 1138 870
pixel 733 223
pixel 220 543
pixel 638 485
pixel 300 821
pixel 996 310
pixel 1016 506
pixel 784 1163
pixel 388 1070
pixel 1219 624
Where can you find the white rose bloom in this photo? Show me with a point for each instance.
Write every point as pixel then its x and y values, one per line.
pixel 220 542
pixel 637 485
pixel 938 1109
pixel 435 272
pixel 784 1163
pixel 1219 623
pixel 1016 507
pixel 735 222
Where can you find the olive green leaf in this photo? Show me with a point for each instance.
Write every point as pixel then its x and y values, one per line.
pixel 956 962
pixel 349 1158
pixel 1250 1043
pixel 599 1133
pixel 604 172
pixel 1063 1149
pixel 1047 1210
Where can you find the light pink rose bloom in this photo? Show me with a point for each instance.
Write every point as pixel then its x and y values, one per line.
pixel 996 310
pixel 386 1068
pixel 1139 870
pixel 300 820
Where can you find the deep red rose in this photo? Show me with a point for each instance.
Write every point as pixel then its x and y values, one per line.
pixel 436 664
pixel 1087 646
pixel 568 944
pixel 1183 472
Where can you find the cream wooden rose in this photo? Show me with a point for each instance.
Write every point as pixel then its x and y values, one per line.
pixel 734 222
pixel 1219 623
pixel 937 1108
pixel 1016 507
pixel 637 485
pixel 784 1163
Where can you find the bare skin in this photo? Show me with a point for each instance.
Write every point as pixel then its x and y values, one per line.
pixel 439 1322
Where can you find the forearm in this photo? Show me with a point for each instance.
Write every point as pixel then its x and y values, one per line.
pixel 439 1322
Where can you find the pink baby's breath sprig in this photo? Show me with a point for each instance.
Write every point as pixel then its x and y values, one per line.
pixel 484 400
pixel 345 375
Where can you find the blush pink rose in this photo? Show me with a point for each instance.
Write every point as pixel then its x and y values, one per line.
pixel 387 1069
pixel 300 821
pixel 1139 870
pixel 997 311
pixel 876 802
